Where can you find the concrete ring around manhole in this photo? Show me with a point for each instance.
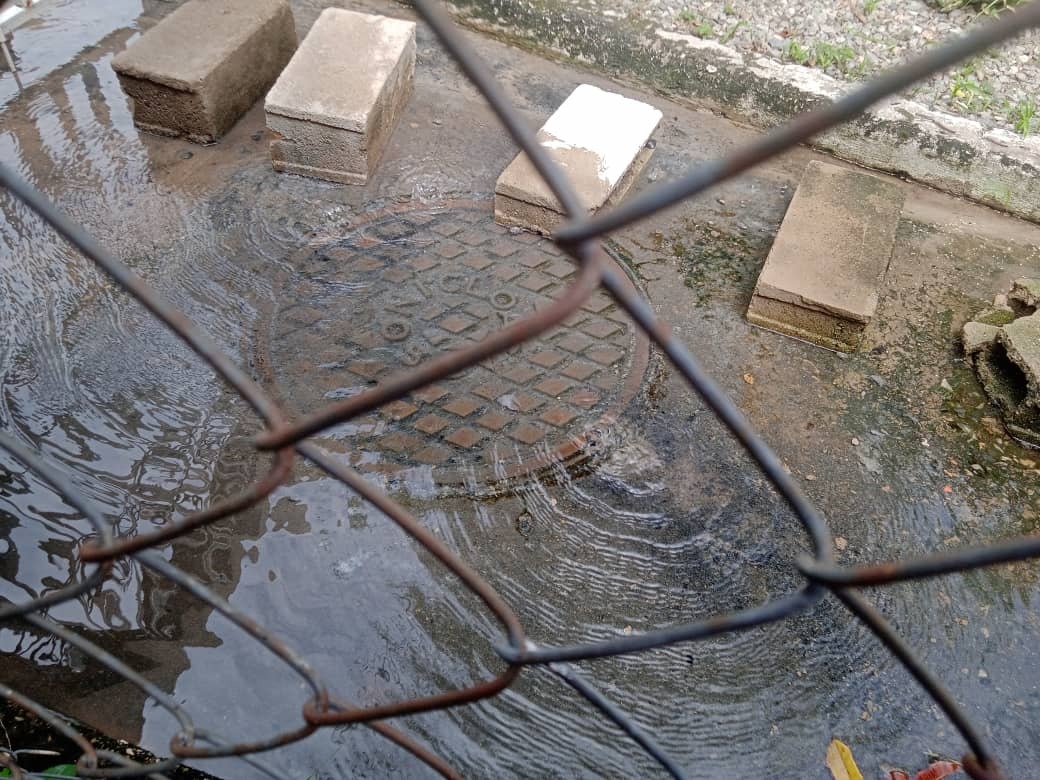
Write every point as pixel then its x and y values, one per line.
pixel 401 284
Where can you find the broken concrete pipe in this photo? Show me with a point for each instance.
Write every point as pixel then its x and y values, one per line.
pixel 1003 345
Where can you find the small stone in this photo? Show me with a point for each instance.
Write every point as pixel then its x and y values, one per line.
pixel 1025 293
pixel 841 542
pixel 878 380
pixel 977 336
pixel 855 442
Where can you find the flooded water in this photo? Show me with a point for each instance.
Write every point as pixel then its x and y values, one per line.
pixel 671 524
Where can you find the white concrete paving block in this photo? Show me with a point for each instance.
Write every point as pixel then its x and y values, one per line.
pixel 601 139
pixel 336 104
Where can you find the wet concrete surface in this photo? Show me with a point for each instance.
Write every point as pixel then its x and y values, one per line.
pixel 896 444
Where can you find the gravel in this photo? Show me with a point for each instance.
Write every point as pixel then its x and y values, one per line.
pixel 852 40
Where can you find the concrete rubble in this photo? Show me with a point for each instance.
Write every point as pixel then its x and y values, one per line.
pixel 335 106
pixel 1003 344
pixel 203 66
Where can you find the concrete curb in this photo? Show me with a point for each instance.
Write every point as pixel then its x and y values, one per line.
pixel 950 153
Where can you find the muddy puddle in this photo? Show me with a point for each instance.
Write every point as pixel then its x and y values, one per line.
pixel 668 523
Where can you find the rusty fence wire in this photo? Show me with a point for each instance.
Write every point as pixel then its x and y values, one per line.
pixel 285 441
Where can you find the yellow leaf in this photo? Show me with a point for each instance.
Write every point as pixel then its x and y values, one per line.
pixel 841 763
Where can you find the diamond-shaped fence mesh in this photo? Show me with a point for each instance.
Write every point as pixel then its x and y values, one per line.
pixel 580 239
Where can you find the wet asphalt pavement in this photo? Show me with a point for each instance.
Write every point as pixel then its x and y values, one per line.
pixel 667 523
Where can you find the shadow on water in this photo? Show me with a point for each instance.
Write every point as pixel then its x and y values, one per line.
pixel 670 524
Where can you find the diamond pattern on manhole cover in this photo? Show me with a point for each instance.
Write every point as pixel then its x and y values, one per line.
pixel 400 285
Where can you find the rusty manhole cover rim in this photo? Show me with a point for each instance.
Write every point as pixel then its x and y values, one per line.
pixel 496 261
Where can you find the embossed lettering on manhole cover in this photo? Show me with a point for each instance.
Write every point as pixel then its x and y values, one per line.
pixel 402 284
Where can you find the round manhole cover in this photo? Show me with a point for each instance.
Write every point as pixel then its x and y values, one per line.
pixel 402 284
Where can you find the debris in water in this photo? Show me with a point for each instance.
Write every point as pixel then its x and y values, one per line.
pixel 841 763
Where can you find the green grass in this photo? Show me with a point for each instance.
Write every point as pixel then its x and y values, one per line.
pixel 984 7
pixel 1023 116
pixel 798 53
pixel 869 7
pixel 995 7
pixel 700 29
pixel 728 35
pixel 863 69
pixel 825 55
pixel 969 91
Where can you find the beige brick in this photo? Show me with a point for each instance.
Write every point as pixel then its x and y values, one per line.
pixel 822 278
pixel 197 71
pixel 335 106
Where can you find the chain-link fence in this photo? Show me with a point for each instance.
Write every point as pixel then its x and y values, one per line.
pixel 285 441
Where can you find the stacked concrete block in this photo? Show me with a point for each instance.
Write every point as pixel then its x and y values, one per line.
pixel 601 140
pixel 1003 345
pixel 197 71
pixel 336 104
pixel 822 278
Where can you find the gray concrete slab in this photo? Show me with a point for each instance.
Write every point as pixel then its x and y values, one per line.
pixel 600 138
pixel 336 104
pixel 197 71
pixel 1021 339
pixel 825 269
